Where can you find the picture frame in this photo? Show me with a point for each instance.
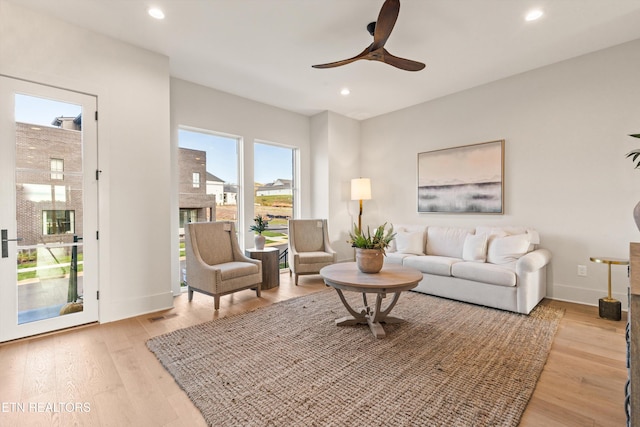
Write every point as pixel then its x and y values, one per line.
pixel 464 179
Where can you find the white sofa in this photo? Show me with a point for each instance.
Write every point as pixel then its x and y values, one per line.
pixel 500 267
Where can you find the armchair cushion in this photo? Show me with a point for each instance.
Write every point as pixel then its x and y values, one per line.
pixel 235 269
pixel 215 246
pixel 309 236
pixel 315 257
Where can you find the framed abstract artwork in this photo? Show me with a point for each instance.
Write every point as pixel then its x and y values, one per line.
pixel 467 179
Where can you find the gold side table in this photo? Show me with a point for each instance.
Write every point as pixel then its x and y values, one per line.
pixel 609 307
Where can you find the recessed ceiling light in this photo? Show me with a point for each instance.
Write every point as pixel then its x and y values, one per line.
pixel 345 92
pixel 533 15
pixel 156 13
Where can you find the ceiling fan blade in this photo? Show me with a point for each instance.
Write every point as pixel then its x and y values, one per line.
pixel 386 20
pixel 402 63
pixel 361 55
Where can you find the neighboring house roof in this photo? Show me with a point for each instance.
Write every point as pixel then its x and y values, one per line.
pixel 228 188
pixel 77 121
pixel 212 177
pixel 276 185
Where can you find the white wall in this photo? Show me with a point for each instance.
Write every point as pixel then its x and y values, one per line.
pixel 335 161
pixel 205 108
pixel 565 127
pixel 132 88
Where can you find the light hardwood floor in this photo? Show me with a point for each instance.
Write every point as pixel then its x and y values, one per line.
pixel 107 369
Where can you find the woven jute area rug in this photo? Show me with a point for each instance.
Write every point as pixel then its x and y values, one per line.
pixel 448 364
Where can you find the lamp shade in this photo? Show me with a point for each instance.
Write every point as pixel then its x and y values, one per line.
pixel 361 189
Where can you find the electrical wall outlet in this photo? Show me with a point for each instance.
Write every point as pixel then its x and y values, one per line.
pixel 582 270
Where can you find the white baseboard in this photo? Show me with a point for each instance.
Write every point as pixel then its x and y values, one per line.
pixel 584 296
pixel 111 311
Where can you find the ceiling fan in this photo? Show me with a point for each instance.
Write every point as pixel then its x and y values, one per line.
pixel 380 30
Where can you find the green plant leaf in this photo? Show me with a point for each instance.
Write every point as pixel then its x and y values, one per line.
pixel 379 240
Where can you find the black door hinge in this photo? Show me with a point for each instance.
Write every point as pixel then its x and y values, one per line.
pixel 96 116
pixel 97 235
pixel 98 172
pixel 97 294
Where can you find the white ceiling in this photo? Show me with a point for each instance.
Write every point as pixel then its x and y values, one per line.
pixel 264 49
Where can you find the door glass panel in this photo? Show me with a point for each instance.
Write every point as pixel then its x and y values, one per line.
pixel 274 193
pixel 49 208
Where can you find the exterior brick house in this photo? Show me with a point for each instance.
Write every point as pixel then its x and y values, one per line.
pixel 194 201
pixel 49 181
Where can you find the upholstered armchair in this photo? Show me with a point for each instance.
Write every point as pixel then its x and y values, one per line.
pixel 215 264
pixel 309 247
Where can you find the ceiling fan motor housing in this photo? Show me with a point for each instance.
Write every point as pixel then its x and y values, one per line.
pixel 371 27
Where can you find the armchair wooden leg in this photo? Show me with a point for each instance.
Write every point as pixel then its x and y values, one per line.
pixel 216 302
pixel 296 278
pixel 189 294
pixel 258 289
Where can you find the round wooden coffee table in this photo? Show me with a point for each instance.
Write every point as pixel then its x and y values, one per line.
pixel 392 278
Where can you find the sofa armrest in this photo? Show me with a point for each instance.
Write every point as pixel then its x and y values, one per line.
pixel 533 261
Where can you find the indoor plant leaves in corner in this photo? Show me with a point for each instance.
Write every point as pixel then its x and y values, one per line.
pixel 260 225
pixel 370 249
pixel 634 154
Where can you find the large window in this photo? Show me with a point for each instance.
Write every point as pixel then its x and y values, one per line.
pixel 208 166
pixel 210 159
pixel 275 189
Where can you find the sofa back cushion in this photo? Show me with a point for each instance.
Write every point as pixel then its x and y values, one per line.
pixel 507 249
pixel 475 248
pixel 446 241
pixel 413 230
pixel 410 242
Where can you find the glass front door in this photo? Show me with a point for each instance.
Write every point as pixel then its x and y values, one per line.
pixel 48 209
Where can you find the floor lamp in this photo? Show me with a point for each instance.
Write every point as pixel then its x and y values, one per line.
pixel 360 190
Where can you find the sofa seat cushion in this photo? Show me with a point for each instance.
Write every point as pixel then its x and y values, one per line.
pixel 395 257
pixel 235 269
pixel 502 275
pixel 432 264
pixel 315 257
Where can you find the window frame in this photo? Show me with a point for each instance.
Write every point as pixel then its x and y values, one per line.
pixel 56 173
pixel 69 216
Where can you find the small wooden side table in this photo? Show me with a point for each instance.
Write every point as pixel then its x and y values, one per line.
pixel 270 258
pixel 609 307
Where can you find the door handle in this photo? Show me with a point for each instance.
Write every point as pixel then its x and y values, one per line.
pixel 5 242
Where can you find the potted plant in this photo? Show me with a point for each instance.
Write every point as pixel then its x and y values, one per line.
pixel 260 225
pixel 634 154
pixel 370 248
